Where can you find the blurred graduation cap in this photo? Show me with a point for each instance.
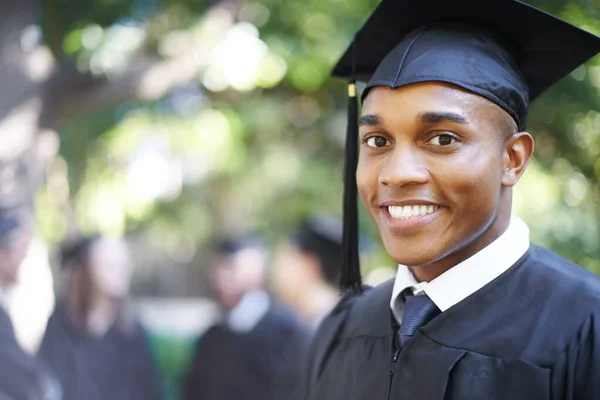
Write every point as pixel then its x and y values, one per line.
pixel 229 246
pixel 74 250
pixel 322 237
pixel 504 50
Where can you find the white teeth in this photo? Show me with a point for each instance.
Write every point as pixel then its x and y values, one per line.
pixel 405 212
pixel 393 212
pixel 416 210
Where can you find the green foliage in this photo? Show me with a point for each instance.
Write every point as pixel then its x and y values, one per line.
pixel 265 152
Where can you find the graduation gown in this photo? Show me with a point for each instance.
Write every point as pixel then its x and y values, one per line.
pixel 533 333
pixel 116 366
pixel 265 363
pixel 21 376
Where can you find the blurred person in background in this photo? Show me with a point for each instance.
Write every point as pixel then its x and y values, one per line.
pixel 22 377
pixel 30 300
pixel 307 267
pixel 92 342
pixel 255 352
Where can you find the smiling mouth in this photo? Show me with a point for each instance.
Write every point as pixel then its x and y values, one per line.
pixel 412 211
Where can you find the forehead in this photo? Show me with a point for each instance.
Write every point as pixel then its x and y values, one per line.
pixel 109 248
pixel 418 98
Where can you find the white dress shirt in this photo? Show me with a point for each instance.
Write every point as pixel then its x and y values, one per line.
pixel 253 306
pixel 467 277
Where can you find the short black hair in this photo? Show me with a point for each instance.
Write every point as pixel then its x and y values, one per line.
pixel 232 245
pixel 509 126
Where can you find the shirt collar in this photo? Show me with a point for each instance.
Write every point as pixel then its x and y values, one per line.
pixel 467 277
pixel 249 311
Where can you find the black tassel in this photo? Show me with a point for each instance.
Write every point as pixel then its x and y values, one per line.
pixel 350 279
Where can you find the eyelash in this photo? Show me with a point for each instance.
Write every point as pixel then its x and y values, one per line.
pixel 365 141
pixel 453 138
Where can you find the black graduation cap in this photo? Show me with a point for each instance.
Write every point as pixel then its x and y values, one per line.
pixel 322 237
pixel 504 50
pixel 74 250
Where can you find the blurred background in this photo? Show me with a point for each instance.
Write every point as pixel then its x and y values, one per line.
pixel 173 122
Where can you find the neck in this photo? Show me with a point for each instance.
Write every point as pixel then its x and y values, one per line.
pixel 102 315
pixel 318 301
pixel 428 272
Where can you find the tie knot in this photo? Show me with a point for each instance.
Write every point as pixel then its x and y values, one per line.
pixel 418 311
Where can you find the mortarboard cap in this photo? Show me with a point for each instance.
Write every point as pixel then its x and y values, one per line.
pixel 74 250
pixel 504 50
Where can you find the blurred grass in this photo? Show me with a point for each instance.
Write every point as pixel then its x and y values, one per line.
pixel 173 356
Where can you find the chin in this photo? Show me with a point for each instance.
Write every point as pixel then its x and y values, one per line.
pixel 415 261
pixel 117 293
pixel 413 257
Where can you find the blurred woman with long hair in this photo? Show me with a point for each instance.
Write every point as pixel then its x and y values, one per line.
pixel 93 343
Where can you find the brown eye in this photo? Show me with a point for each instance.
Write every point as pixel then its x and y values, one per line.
pixel 376 141
pixel 443 140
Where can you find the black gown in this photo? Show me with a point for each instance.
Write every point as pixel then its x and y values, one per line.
pixel 21 376
pixel 533 333
pixel 117 366
pixel 265 363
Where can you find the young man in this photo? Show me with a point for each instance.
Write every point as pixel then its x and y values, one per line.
pixel 257 350
pixel 475 311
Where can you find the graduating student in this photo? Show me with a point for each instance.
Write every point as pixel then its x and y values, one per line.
pixel 92 342
pixel 256 351
pixel 476 311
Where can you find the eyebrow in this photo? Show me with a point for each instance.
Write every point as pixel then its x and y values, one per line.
pixel 433 117
pixel 369 120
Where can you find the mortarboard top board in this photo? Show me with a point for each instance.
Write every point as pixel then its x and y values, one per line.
pixel 74 250
pixel 504 50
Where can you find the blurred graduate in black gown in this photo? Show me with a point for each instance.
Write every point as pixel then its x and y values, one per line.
pixel 306 269
pixel 92 342
pixel 256 351
pixel 22 377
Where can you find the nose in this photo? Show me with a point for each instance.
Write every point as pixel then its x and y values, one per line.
pixel 405 166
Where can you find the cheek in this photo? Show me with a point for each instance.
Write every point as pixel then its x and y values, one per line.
pixel 367 175
pixel 112 280
pixel 473 183
pixel 289 279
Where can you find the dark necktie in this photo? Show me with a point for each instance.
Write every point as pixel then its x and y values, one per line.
pixel 418 311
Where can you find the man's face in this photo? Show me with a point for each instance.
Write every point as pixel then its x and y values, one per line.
pixel 234 275
pixel 111 267
pixel 294 273
pixel 430 172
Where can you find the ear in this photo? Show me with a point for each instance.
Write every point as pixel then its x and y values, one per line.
pixel 517 153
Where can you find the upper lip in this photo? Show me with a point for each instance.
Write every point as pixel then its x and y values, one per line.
pixel 408 202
